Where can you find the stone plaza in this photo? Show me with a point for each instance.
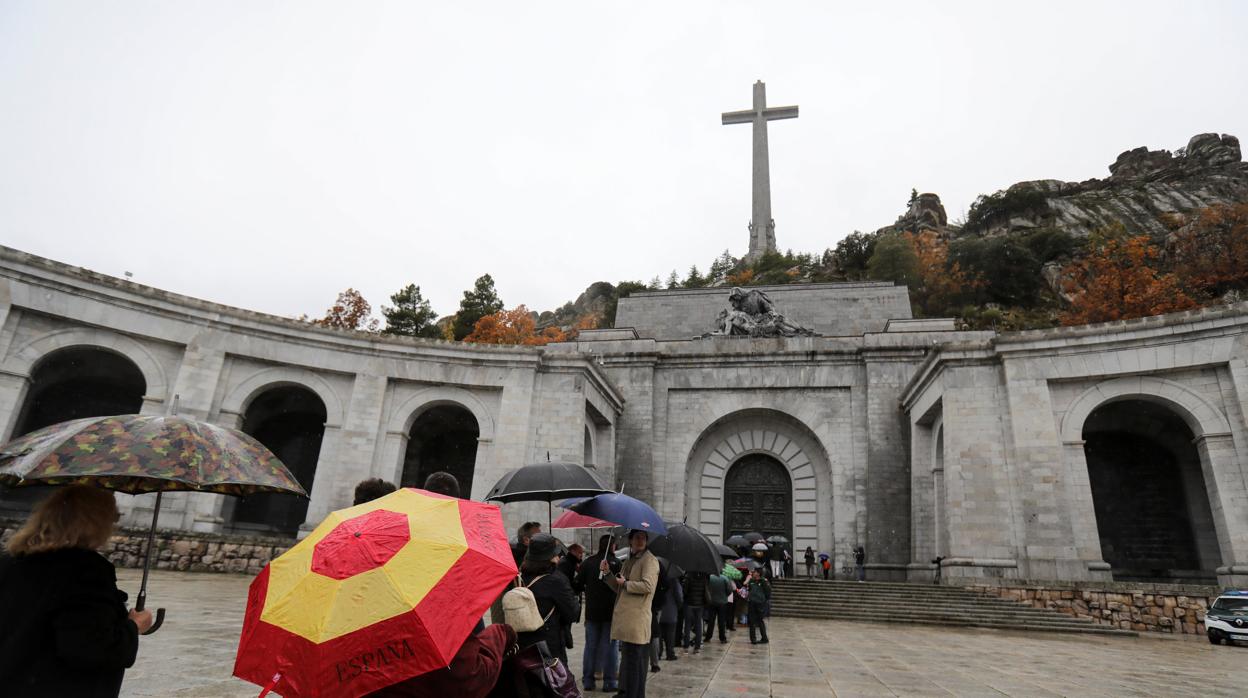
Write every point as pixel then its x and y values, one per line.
pixel 193 655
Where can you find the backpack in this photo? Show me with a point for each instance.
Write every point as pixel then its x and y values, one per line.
pixel 520 609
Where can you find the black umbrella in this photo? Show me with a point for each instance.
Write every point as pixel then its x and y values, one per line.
pixel 777 539
pixel 754 537
pixel 545 482
pixel 737 541
pixel 725 551
pixel 689 548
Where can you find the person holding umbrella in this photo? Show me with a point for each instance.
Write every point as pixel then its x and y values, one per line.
pixel 810 562
pixel 66 628
pixel 634 585
pixel 601 652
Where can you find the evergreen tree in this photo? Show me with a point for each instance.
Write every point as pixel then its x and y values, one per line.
pixel 673 280
pixel 694 280
pixel 720 268
pixel 411 315
pixel 655 284
pixel 482 300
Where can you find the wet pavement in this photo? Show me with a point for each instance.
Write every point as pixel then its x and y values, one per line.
pixel 193 655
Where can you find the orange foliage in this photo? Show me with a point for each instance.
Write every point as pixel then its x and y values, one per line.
pixel 741 278
pixel 1211 254
pixel 1119 280
pixel 940 283
pixel 349 312
pixel 515 326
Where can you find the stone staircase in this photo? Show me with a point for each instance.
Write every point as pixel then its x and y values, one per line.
pixel 925 604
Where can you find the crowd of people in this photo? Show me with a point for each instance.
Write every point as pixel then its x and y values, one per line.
pixel 58 592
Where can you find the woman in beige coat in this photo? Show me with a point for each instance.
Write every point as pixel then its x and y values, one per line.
pixel 635 586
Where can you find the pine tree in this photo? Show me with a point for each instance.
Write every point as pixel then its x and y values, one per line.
pixel 673 280
pixel 411 315
pixel 482 300
pixel 694 280
pixel 656 284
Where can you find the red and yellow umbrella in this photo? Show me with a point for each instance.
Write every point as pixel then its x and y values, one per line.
pixel 376 594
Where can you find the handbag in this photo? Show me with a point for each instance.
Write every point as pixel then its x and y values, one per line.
pixel 537 673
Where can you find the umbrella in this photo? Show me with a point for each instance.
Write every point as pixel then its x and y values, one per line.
pixel 761 547
pixel 687 547
pixel 747 563
pixel 622 509
pixel 725 551
pixel 753 537
pixel 376 594
pixel 545 482
pixel 777 539
pixel 731 572
pixel 737 542
pixel 142 453
pixel 823 556
pixel 571 519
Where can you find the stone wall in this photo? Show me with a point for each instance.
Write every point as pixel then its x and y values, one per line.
pixel 184 550
pixel 1162 608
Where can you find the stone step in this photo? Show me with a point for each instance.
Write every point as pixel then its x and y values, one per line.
pixel 925 604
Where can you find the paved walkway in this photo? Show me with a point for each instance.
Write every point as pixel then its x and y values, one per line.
pixel 193 654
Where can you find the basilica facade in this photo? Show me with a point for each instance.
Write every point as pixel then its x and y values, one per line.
pixel 1092 453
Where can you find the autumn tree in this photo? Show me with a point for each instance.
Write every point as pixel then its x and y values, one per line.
pixel 941 282
pixel 411 315
pixel 479 302
pixel 1120 279
pixel 515 326
pixel 349 312
pixel 1211 253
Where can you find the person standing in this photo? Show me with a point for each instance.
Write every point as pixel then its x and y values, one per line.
pixel 810 562
pixel 668 607
pixel 860 562
pixel 718 591
pixel 65 627
pixel 556 603
pixel 634 586
pixel 758 593
pixel 776 555
pixel 601 652
pixel 696 595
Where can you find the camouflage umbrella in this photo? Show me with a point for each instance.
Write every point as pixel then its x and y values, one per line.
pixel 140 453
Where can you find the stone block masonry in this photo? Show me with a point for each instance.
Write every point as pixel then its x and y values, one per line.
pixel 1158 608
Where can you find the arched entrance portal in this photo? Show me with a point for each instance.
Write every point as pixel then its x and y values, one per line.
pixel 1148 491
pixel 289 421
pixel 759 497
pixel 442 438
pixel 74 383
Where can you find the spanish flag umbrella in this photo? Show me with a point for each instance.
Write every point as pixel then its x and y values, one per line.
pixel 376 594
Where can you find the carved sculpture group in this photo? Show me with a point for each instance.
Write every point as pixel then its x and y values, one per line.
pixel 752 314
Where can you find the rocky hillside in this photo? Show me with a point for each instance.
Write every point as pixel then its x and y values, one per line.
pixel 1143 187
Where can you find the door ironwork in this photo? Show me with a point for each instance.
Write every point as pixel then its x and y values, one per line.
pixel 758 496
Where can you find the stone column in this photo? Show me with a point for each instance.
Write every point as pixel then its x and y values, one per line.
pixel 1228 502
pixel 346 454
pixel 1081 511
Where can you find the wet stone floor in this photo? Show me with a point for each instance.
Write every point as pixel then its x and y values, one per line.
pixel 193 654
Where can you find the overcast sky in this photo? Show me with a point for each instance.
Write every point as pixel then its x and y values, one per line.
pixel 270 154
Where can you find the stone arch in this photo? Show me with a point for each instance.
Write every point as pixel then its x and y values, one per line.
pixel 237 401
pixel 1201 416
pixel 401 418
pixel 769 432
pixel 29 355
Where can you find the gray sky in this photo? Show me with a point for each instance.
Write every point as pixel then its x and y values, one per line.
pixel 268 155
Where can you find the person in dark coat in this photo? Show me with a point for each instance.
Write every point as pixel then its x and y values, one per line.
pixel 601 652
pixel 567 566
pixel 757 594
pixel 810 562
pixel 473 671
pixel 696 597
pixel 64 627
pixel 860 562
pixel 719 592
pixel 553 593
pixel 667 608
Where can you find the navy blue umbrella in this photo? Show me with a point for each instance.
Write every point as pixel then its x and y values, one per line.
pixel 623 510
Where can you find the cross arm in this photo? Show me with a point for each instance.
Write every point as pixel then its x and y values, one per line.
pixel 774 113
pixel 739 117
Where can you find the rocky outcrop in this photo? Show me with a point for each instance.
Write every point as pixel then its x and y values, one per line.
pixel 924 213
pixel 593 301
pixel 1143 188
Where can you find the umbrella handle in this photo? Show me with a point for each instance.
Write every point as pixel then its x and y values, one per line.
pixel 160 618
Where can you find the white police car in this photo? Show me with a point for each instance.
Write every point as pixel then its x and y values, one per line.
pixel 1227 619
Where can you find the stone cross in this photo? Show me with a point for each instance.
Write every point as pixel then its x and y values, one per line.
pixel 762 225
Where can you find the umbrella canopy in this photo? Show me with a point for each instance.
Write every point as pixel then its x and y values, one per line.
pixel 777 539
pixel 571 519
pixel 731 572
pixel 623 510
pixel 725 551
pixel 753 537
pixel 545 482
pixel 376 594
pixel 747 564
pixel 135 453
pixel 761 547
pixel 687 547
pixel 737 542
